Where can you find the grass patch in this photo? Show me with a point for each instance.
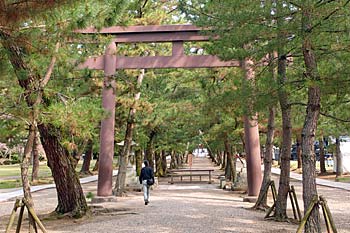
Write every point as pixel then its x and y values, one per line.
pixel 8 184
pixel 345 179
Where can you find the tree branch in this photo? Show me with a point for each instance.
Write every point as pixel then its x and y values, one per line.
pixel 50 68
pixel 335 118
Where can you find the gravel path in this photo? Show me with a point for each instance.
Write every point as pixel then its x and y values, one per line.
pixel 180 208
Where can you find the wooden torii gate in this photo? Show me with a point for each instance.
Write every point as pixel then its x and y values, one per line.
pixel 177 35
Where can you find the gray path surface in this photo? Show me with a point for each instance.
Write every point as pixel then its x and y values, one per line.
pixel 197 207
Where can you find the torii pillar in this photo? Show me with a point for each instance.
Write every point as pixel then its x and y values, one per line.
pixel 105 167
pixel 252 142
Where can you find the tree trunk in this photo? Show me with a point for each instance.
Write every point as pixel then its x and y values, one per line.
pixel 262 199
pixel 96 164
pixel 25 169
pixel 138 156
pixel 69 192
pixel 229 170
pixel 173 164
pixel 281 201
pixel 149 149
pixel 36 161
pixel 87 158
pixel 219 158
pixel 164 163
pixel 159 169
pixel 311 118
pixel 178 159
pixel 322 157
pixel 299 146
pixel 119 188
pixel 223 160
pixel 339 171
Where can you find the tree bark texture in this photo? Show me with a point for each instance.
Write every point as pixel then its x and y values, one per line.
pixel 311 118
pixel 69 192
pixel 267 160
pixel 281 201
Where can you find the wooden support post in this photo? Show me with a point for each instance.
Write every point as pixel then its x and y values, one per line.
pixel 273 189
pixel 328 214
pixel 292 202
pixel 296 202
pixel 313 203
pixel 20 217
pixel 35 217
pixel 270 210
pixel 12 216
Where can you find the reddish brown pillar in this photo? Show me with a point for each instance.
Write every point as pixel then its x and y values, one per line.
pixel 105 168
pixel 252 142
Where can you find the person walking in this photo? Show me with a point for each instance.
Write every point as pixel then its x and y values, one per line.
pixel 146 178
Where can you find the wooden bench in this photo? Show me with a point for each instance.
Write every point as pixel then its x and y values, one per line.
pixel 190 173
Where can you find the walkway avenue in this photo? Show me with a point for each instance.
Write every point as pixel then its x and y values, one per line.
pixel 177 208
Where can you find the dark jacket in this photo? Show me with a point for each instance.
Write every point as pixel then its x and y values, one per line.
pixel 146 174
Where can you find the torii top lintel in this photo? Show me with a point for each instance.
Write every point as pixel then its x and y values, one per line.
pixel 177 34
pixel 150 33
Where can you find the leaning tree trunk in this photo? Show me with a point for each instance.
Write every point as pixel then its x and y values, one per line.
pixel 25 169
pixel 69 192
pixel 36 161
pixel 261 202
pixel 311 118
pixel 119 188
pixel 281 201
pixel 149 149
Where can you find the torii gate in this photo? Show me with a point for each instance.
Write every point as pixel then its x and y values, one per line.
pixel 176 34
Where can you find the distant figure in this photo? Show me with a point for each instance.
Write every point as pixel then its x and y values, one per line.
pixel 146 178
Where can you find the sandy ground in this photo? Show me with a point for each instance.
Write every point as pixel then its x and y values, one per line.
pixel 197 207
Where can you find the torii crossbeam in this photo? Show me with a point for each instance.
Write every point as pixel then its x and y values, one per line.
pixel 110 62
pixel 176 34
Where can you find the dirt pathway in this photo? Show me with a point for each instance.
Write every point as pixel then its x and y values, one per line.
pixel 180 208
